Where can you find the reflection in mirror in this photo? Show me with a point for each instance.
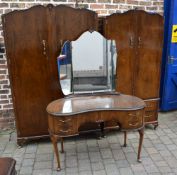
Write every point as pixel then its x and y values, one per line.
pixel 88 64
pixel 65 68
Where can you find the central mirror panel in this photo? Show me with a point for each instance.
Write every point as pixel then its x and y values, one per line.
pixel 88 64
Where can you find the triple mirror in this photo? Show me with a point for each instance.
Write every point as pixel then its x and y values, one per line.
pixel 87 64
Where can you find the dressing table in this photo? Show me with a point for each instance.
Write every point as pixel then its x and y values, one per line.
pixel 67 115
pixel 89 101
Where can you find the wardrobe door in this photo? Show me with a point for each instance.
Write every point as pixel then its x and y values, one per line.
pixel 65 23
pixel 149 55
pixel 120 27
pixel 26 34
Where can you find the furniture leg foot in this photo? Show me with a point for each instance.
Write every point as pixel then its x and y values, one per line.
pixel 139 160
pixel 125 138
pixel 54 140
pixel 58 169
pixel 155 126
pixel 21 142
pixel 141 133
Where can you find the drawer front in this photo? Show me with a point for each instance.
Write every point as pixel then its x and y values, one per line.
pixel 65 125
pixel 150 116
pixel 135 119
pixel 131 119
pixel 151 105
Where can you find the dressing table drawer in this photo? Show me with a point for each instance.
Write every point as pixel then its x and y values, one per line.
pixel 65 125
pixel 135 119
pixel 151 105
pixel 150 116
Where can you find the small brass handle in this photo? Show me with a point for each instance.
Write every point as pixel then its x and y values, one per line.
pixel 44 46
pixel 147 116
pixel 139 42
pixel 61 43
pixel 132 114
pixel 131 41
pixel 65 121
pixel 131 124
pixel 149 106
pixel 65 131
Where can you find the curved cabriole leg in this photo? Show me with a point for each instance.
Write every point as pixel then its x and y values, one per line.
pixel 54 140
pixel 141 133
pixel 125 138
pixel 62 146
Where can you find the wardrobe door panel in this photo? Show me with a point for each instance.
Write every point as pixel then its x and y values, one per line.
pixel 66 23
pixel 25 35
pixel 149 55
pixel 70 23
pixel 120 27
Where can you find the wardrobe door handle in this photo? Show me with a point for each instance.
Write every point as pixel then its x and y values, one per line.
pixel 44 43
pixel 139 42
pixel 131 41
pixel 44 46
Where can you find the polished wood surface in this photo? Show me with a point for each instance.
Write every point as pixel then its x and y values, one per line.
pixel 32 47
pixel 67 115
pixel 149 55
pixel 88 103
pixel 28 70
pixel 120 27
pixel 7 166
pixel 139 40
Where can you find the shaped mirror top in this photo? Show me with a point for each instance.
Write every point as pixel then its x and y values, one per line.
pixel 88 64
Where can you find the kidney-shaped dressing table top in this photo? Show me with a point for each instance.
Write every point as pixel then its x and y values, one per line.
pixel 82 103
pixel 66 115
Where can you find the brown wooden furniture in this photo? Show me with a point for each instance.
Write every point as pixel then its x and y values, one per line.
pixel 32 47
pixel 67 115
pixel 139 41
pixel 7 166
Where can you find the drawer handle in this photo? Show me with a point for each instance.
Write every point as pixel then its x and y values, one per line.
pixel 147 116
pixel 131 124
pixel 149 106
pixel 65 121
pixel 69 130
pixel 132 114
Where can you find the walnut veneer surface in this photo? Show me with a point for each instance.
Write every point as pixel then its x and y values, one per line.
pixel 32 47
pixel 67 115
pixel 139 41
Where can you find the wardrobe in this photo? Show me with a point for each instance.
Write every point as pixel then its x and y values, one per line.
pixel 33 40
pixel 139 41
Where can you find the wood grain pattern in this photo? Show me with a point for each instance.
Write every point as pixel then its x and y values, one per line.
pixel 67 115
pixel 149 55
pixel 32 47
pixel 88 103
pixel 139 39
pixel 120 27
